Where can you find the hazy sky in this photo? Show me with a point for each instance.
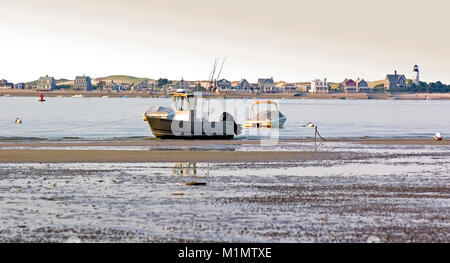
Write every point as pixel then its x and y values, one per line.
pixel 290 40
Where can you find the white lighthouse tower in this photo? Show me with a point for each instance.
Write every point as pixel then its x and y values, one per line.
pixel 415 78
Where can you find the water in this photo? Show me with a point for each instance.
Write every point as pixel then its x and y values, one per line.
pixel 121 118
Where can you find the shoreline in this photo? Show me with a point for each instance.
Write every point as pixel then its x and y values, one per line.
pixel 173 142
pixel 333 95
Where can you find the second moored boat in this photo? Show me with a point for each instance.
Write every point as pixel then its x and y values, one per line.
pixel 269 118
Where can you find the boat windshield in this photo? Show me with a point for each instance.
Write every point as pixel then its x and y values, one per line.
pixel 264 106
pixel 181 103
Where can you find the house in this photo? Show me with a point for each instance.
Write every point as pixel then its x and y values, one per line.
pixel 182 84
pixel 224 84
pixel 394 81
pixel 4 84
pixel 349 86
pixel 19 86
pixel 266 85
pixel 110 86
pixel 290 88
pixel 280 84
pixel 319 86
pixel 242 85
pixel 46 84
pixel 143 85
pixel 124 86
pixel 303 86
pixel 82 83
pixel 283 86
pixel 362 86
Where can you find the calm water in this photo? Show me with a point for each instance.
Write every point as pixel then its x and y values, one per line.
pixel 121 118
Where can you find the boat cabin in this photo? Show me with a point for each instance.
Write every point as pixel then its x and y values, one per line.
pixel 184 105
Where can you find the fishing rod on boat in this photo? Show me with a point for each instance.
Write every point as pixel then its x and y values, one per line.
pixel 218 75
pixel 216 61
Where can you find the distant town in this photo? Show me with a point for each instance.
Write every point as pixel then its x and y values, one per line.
pixel 120 84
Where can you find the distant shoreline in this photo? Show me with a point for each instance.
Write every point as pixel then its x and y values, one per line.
pixel 338 95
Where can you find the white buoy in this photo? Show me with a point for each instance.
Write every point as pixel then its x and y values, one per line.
pixel 438 136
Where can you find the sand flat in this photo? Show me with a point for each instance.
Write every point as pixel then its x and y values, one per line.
pixel 158 142
pixel 107 156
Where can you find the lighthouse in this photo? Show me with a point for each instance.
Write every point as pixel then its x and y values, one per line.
pixel 415 78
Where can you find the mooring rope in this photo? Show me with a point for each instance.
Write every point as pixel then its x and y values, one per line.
pixel 316 133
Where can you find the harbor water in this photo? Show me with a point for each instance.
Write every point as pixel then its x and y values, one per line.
pixel 121 118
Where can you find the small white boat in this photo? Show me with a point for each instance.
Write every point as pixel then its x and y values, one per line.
pixel 269 118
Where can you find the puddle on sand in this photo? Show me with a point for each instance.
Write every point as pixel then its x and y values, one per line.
pixel 396 199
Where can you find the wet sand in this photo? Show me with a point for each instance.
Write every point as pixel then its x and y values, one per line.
pixel 183 150
pixel 125 156
pixel 401 199
pixel 358 191
pixel 158 142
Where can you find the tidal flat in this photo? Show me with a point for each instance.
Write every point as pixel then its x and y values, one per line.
pixel 387 193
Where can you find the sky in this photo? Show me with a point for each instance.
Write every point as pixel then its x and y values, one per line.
pixel 290 40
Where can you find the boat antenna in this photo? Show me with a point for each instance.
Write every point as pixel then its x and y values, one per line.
pixel 221 68
pixel 216 61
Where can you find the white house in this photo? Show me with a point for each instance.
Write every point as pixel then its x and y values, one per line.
pixel 319 86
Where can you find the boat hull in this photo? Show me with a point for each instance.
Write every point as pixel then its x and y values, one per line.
pixel 177 129
pixel 273 123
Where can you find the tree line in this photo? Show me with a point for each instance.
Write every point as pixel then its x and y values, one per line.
pixel 428 87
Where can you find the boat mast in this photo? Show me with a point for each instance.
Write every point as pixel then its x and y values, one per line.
pixel 218 75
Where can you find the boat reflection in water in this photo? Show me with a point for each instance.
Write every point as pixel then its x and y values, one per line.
pixel 184 169
pixel 190 169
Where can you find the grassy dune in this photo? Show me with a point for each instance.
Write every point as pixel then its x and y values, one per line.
pixel 373 84
pixel 122 79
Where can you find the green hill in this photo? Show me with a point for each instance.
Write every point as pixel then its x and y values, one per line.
pixel 334 86
pixel 122 79
pixel 373 84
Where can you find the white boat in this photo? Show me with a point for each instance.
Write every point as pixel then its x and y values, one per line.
pixel 182 121
pixel 78 96
pixel 269 118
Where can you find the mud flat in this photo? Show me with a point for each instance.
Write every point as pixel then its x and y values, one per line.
pixel 109 156
pixel 158 142
pixel 397 193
